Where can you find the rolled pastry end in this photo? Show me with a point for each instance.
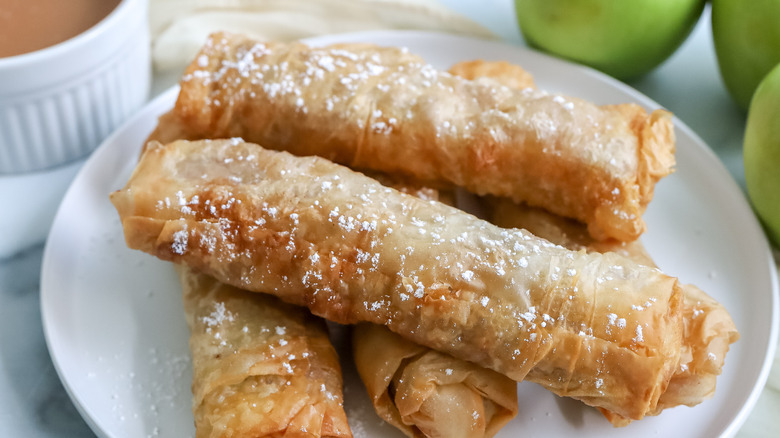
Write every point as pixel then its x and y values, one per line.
pixel 656 152
pixel 620 216
pixel 261 368
pixel 507 74
pixel 426 393
pixel 709 333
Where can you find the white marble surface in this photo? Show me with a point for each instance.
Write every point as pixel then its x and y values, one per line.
pixel 33 402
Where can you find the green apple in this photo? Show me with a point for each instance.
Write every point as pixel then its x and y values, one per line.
pixel 746 34
pixel 761 153
pixel 623 38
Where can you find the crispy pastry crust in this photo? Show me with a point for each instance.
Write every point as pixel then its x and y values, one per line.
pixel 261 368
pixel 425 393
pixel 387 110
pixel 708 329
pixel 420 391
pixel 317 234
pixel 509 75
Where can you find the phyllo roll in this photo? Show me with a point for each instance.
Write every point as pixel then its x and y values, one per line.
pixel 708 329
pixel 385 109
pixel 425 393
pixel 261 368
pixel 596 327
pixel 420 391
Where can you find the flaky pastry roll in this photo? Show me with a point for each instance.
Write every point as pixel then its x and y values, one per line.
pixel 505 213
pixel 420 391
pixel 425 393
pixel 385 109
pixel 261 368
pixel 708 329
pixel 599 328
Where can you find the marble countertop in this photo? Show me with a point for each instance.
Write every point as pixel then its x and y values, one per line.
pixel 33 402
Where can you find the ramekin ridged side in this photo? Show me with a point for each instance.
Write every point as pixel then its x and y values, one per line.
pixel 58 104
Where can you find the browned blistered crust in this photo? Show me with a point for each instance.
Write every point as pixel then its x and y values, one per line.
pixel 425 393
pixel 316 234
pixel 385 109
pixel 708 329
pixel 261 368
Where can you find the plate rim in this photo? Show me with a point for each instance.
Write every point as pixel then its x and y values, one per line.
pixel 105 147
pixel 46 290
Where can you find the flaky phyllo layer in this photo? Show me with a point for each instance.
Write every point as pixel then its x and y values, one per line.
pixel 425 393
pixel 387 110
pixel 708 329
pixel 596 327
pixel 261 368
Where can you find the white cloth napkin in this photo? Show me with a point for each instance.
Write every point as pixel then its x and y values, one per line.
pixel 179 27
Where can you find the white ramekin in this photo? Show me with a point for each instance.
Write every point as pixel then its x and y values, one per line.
pixel 57 104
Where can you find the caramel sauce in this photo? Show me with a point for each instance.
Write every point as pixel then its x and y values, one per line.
pixel 30 25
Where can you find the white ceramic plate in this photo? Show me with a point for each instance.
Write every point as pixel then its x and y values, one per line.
pixel 116 331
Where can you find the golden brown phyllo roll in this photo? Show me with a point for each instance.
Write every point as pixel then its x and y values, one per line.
pixel 261 368
pixel 596 327
pixel 708 329
pixel 386 110
pixel 425 393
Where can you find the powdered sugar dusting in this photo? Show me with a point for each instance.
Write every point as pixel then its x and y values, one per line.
pixel 639 337
pixel 180 240
pixel 369 253
pixel 218 316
